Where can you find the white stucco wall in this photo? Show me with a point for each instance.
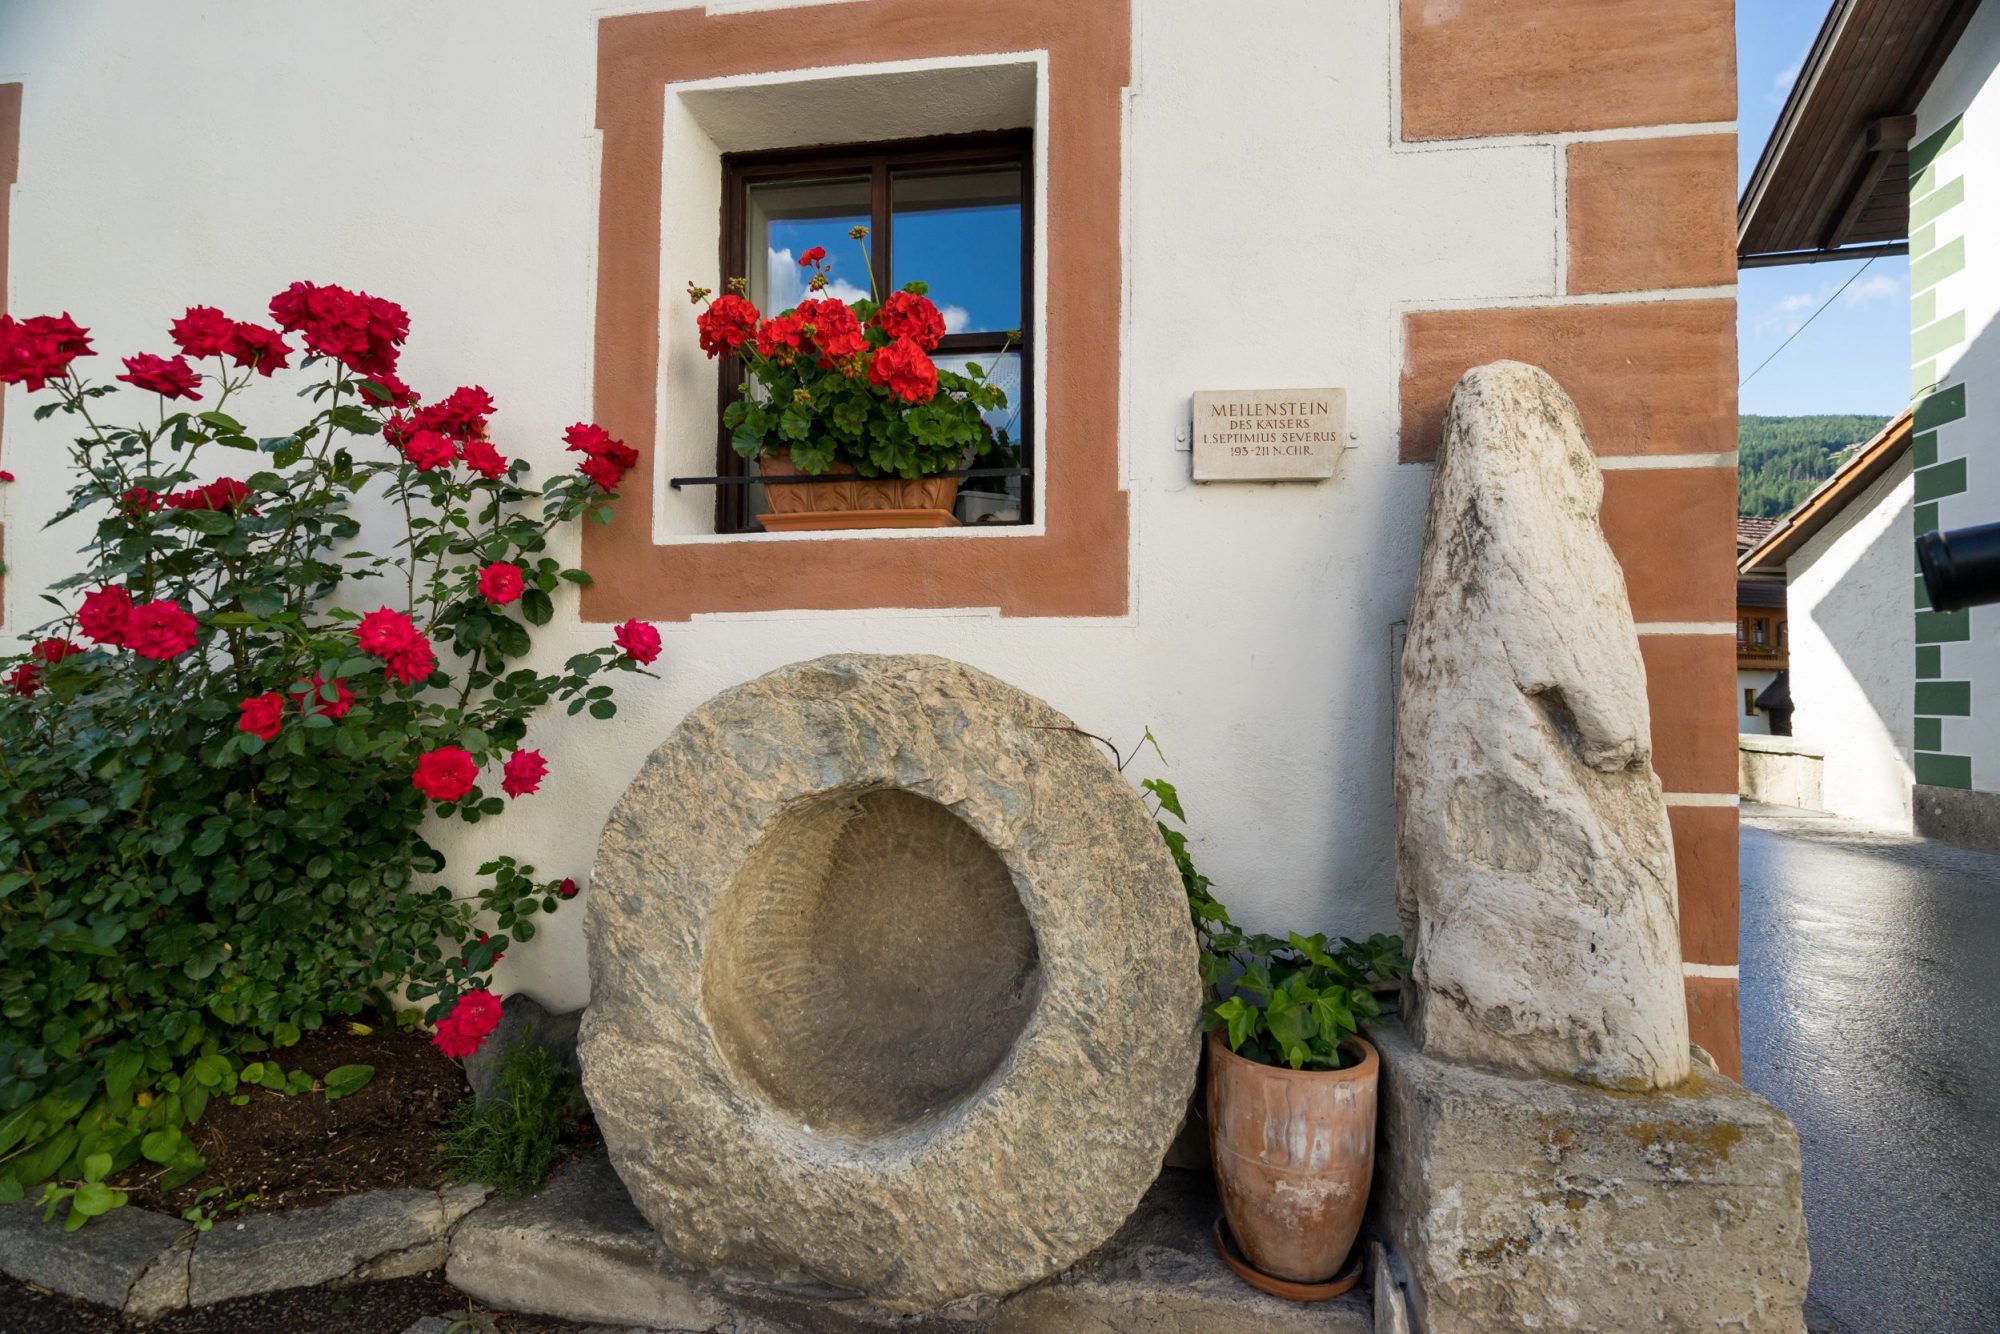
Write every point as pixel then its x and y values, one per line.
pixel 1968 86
pixel 1852 644
pixel 1750 721
pixel 442 155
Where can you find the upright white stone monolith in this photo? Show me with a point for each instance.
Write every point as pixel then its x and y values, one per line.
pixel 1536 869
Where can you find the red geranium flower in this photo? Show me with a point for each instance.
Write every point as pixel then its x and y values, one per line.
pixel 464 1030
pixel 54 650
pixel 445 774
pixel 25 679
pixel 262 716
pixel 362 332
pixel 812 257
pixel 727 324
pixel 159 630
pixel 336 707
pixel 835 331
pixel 907 315
pixel 40 348
pixel 501 582
pixel 640 641
pixel 169 377
pixel 203 332
pixel 523 773
pixel 254 345
pixel 428 450
pixel 782 336
pixel 482 458
pixel 906 370
pixel 103 614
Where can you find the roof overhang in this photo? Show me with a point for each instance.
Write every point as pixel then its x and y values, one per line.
pixel 1833 181
pixel 1830 498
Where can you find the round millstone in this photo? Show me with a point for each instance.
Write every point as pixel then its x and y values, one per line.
pixel 893 986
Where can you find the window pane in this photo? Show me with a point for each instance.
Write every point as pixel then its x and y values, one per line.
pixel 995 499
pixel 960 231
pixel 786 219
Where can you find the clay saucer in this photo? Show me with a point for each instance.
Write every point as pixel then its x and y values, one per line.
pixel 1225 1246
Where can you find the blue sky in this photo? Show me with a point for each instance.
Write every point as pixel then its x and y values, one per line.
pixel 1856 356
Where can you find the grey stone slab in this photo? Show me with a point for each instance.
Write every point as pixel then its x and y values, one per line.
pixel 102 1262
pixel 321 1244
pixel 1524 1203
pixel 1392 1309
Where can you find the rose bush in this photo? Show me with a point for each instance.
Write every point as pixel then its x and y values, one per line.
pixel 215 766
pixel 834 383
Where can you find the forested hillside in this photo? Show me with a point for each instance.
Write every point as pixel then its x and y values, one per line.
pixel 1781 459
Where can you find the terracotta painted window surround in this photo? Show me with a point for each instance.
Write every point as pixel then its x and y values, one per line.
pixel 1078 564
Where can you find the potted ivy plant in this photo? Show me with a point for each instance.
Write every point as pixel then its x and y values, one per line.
pixel 834 387
pixel 1284 1044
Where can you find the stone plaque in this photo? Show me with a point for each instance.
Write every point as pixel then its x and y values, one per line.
pixel 1268 435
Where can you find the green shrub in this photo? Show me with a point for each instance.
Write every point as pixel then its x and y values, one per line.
pixel 536 1120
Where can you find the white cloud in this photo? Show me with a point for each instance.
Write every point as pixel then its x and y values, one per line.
pixel 955 318
pixel 787 283
pixel 1781 86
pixel 1876 287
pixel 1788 314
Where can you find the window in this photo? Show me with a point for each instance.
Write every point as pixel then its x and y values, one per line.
pixel 1757 633
pixel 1749 701
pixel 952 212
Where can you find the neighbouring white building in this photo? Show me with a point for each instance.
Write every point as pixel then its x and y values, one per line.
pixel 1891 141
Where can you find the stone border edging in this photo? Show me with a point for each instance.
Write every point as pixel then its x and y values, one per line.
pixel 145 1264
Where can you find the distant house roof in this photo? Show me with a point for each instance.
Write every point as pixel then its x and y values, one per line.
pixel 1750 530
pixel 1826 502
pixel 1833 180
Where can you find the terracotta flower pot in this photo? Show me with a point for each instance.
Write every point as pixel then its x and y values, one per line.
pixel 1294 1157
pixel 874 501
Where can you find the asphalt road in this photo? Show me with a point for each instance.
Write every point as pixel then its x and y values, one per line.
pixel 1871 1015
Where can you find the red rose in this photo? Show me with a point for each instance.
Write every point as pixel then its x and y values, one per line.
pixel 385 631
pixel 203 332
pixel 523 773
pixel 640 641
pixel 254 345
pixel 906 370
pixel 428 450
pixel 103 614
pixel 608 459
pixel 40 348
pixel 444 774
pixel 727 324
pixel 812 257
pixel 567 888
pixel 262 715
pixel 386 388
pixel 464 1030
pixel 907 315
pixel 781 337
pixel 224 493
pixel 6 476
pixel 835 331
pixel 53 651
pixel 412 664
pixel 25 679
pixel 482 458
pixel 313 694
pixel 138 500
pixel 501 583
pixel 360 331
pixel 159 630
pixel 461 414
pixel 169 377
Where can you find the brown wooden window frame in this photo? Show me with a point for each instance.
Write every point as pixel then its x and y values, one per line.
pixel 878 160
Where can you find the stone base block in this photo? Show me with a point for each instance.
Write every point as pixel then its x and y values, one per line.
pixel 1538 1204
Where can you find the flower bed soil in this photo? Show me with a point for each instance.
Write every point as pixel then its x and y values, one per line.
pixel 278 1151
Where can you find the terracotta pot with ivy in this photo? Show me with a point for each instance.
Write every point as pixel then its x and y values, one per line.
pixel 216 765
pixel 850 389
pixel 1284 1049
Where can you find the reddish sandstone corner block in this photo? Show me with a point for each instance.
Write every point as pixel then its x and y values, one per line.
pixel 1648 213
pixel 1674 531
pixel 1713 1021
pixel 1473 67
pixel 1691 685
pixel 1705 860
pixel 1652 377
pixel 1080 565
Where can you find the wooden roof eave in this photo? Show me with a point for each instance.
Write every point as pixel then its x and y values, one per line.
pixel 1830 498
